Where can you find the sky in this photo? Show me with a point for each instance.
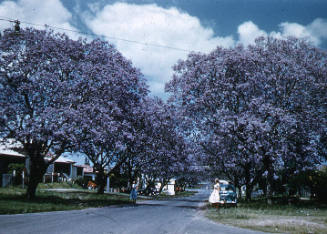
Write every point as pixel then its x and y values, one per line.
pixel 155 34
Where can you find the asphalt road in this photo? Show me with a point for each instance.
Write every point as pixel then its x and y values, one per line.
pixel 157 217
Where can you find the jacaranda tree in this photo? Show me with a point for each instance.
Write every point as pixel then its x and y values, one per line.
pixel 255 110
pixel 114 89
pixel 156 150
pixel 166 148
pixel 52 89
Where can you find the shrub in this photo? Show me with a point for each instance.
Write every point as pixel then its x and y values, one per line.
pixel 82 181
pixel 18 168
pixel 319 188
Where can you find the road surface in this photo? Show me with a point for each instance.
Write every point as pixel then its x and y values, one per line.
pixel 151 216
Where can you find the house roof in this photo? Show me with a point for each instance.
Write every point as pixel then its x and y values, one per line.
pixel 62 159
pixel 6 149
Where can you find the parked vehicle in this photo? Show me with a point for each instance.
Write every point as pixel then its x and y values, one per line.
pixel 227 193
pixel 257 193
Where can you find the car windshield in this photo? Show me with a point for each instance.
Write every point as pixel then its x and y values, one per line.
pixel 227 187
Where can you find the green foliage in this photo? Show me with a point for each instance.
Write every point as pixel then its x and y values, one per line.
pixel 118 179
pixel 82 181
pixel 316 181
pixel 319 185
pixel 181 184
pixel 18 167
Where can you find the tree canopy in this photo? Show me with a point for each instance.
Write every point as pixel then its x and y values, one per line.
pixel 254 115
pixel 255 110
pixel 55 92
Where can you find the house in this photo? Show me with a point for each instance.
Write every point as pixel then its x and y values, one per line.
pixel 63 169
pixel 169 188
pixel 89 172
pixel 8 156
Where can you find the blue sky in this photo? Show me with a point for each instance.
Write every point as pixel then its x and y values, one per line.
pixel 187 25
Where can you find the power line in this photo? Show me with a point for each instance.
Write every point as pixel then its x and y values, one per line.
pixel 94 35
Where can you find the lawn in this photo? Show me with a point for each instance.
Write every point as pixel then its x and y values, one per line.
pixel 305 217
pixel 13 201
pixel 58 186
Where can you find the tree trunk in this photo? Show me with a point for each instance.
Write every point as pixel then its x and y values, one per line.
pixel 130 177
pixel 150 184
pixel 162 185
pixel 237 187
pixel 248 192
pixel 38 168
pixel 264 187
pixel 269 185
pixel 239 194
pixel 248 183
pixel 101 180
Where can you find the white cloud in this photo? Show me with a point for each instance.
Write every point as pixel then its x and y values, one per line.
pixel 153 25
pixel 314 32
pixel 299 31
pixel 41 12
pixel 248 32
pixel 318 28
pixel 170 27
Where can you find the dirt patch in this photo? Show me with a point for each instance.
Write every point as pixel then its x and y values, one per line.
pixel 270 223
pixel 283 224
pixel 286 221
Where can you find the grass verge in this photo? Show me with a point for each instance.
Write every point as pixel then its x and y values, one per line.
pixel 301 218
pixel 13 201
pixel 58 186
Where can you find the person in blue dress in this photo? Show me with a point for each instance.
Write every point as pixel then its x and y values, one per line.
pixel 133 195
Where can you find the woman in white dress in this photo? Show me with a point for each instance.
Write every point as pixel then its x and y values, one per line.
pixel 214 197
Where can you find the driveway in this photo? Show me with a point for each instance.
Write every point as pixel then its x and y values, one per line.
pixel 148 216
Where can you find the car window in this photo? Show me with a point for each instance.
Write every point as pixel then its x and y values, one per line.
pixel 227 187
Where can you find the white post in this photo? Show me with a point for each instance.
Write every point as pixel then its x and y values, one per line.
pixel 52 177
pixel 13 177
pixel 23 179
pixel 71 171
pixel 108 183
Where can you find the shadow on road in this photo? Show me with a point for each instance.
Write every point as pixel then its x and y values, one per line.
pixel 186 200
pixel 170 205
